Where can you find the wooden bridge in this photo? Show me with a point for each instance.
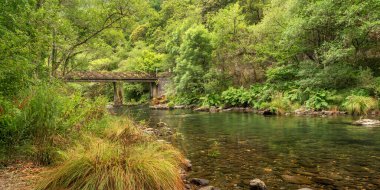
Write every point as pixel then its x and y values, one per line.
pixel 117 78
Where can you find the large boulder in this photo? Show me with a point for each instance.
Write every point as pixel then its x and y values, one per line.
pixel 257 184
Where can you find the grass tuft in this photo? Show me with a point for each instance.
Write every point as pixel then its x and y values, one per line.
pixel 126 132
pixel 360 104
pixel 123 160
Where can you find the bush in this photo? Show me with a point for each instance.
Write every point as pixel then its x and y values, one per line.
pixel 236 97
pixel 318 100
pixel 377 85
pixel 210 100
pixel 282 77
pixel 45 119
pixel 280 104
pixel 260 96
pixel 104 164
pixel 359 104
pixel 8 112
pixel 136 93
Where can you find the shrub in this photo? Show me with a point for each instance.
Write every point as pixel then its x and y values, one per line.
pixel 359 104
pixel 44 120
pixel 377 85
pixel 260 96
pixel 280 104
pixel 110 165
pixel 171 104
pixel 282 77
pixel 296 95
pixel 210 100
pixel 8 112
pixel 236 97
pixel 318 100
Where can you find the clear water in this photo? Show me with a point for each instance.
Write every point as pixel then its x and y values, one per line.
pixel 230 149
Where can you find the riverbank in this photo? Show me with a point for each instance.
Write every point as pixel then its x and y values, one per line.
pixel 299 112
pixel 21 175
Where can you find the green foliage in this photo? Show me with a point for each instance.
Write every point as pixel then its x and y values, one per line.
pixel 192 63
pixel 210 100
pixel 261 95
pixel 355 104
pixel 214 150
pixel 138 33
pixel 136 92
pixel 377 85
pixel 318 101
pixel 142 59
pixel 236 97
pixel 171 104
pixel 280 104
pixel 215 82
pixel 45 118
pixel 283 76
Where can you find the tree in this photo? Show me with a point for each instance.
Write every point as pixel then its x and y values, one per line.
pixel 233 54
pixel 142 59
pixel 193 63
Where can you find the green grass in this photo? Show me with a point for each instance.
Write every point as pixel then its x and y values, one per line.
pixel 280 104
pixel 359 104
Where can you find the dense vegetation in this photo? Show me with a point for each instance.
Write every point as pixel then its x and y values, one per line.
pixel 68 126
pixel 270 54
pixel 314 54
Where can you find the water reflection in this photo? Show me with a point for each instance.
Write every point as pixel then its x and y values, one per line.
pixel 231 148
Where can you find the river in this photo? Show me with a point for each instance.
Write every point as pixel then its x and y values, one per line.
pixel 230 149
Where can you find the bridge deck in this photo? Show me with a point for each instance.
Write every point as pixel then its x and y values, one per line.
pixel 94 76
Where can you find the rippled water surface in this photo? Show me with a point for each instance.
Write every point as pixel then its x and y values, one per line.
pixel 229 149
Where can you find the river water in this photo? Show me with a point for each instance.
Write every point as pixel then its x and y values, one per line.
pixel 230 149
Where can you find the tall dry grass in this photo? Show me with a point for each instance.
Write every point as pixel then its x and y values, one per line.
pixel 124 159
pixel 360 105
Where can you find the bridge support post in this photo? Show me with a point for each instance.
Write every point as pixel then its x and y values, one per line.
pixel 153 90
pixel 118 94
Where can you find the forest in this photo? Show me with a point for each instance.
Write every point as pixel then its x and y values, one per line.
pixel 277 55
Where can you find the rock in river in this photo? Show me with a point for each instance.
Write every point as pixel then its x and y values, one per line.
pixel 209 188
pixel 199 182
pixel 296 179
pixel 367 122
pixel 161 124
pixel 257 184
pixel 188 165
pixel 323 180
